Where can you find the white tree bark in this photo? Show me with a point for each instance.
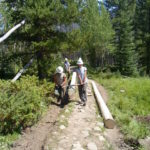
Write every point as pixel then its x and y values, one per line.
pixel 4 37
pixel 108 119
pixel 22 70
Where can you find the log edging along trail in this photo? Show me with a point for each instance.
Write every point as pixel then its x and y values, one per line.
pixel 72 89
pixel 108 119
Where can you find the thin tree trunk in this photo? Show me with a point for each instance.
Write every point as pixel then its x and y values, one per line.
pixel 22 70
pixel 11 31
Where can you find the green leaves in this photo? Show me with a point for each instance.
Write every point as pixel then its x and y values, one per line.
pixel 22 103
pixel 96 30
pixel 123 22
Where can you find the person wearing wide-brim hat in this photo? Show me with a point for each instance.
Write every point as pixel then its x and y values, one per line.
pixel 82 81
pixel 60 84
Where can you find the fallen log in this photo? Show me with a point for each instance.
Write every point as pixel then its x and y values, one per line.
pixel 4 37
pixel 108 119
pixel 22 70
pixel 72 88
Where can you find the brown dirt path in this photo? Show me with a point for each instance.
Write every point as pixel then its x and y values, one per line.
pixel 77 128
pixel 34 137
pixel 84 130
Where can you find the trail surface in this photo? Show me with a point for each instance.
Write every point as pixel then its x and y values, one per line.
pixel 34 137
pixel 83 131
pixel 75 127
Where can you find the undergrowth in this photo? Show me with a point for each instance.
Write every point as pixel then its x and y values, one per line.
pixel 128 99
pixel 22 104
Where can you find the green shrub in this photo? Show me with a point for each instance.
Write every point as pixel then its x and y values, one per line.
pixel 22 103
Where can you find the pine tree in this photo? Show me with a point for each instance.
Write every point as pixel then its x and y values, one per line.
pixel 46 26
pixel 122 13
pixel 142 35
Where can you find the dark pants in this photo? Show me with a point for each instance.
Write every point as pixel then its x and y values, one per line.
pixel 68 74
pixel 62 95
pixel 82 92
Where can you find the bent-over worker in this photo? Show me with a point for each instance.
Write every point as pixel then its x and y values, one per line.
pixel 60 84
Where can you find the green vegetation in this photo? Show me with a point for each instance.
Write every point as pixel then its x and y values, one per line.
pixel 128 100
pixel 109 35
pixel 22 104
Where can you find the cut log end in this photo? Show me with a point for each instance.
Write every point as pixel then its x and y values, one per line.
pixel 109 123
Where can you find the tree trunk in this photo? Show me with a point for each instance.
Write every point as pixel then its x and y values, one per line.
pixel 40 58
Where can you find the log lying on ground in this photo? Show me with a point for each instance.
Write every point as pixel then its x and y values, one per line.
pixel 72 89
pixel 108 119
pixel 4 37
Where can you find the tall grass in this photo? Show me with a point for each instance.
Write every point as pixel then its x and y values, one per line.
pixel 128 98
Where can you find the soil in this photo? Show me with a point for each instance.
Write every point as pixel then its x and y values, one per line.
pixel 34 137
pixel 83 128
pixel 79 128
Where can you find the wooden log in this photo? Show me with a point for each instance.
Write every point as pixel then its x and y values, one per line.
pixel 72 89
pixel 73 80
pixel 4 37
pixel 22 70
pixel 108 119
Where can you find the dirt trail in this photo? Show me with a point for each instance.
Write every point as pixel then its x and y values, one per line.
pixel 84 130
pixel 34 137
pixel 75 127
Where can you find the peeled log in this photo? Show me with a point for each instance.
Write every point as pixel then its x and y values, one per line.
pixel 73 80
pixel 72 89
pixel 108 119
pixel 11 31
pixel 22 70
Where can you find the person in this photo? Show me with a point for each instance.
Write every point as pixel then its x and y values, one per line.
pixel 60 80
pixel 67 67
pixel 82 81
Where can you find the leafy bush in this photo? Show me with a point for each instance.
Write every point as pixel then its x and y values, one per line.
pixel 22 103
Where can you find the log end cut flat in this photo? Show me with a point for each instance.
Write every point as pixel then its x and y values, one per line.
pixel 109 123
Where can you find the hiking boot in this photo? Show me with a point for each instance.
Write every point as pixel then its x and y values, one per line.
pixel 84 104
pixel 58 99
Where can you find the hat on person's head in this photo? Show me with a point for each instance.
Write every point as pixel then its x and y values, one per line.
pixel 59 69
pixel 80 61
pixel 66 59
